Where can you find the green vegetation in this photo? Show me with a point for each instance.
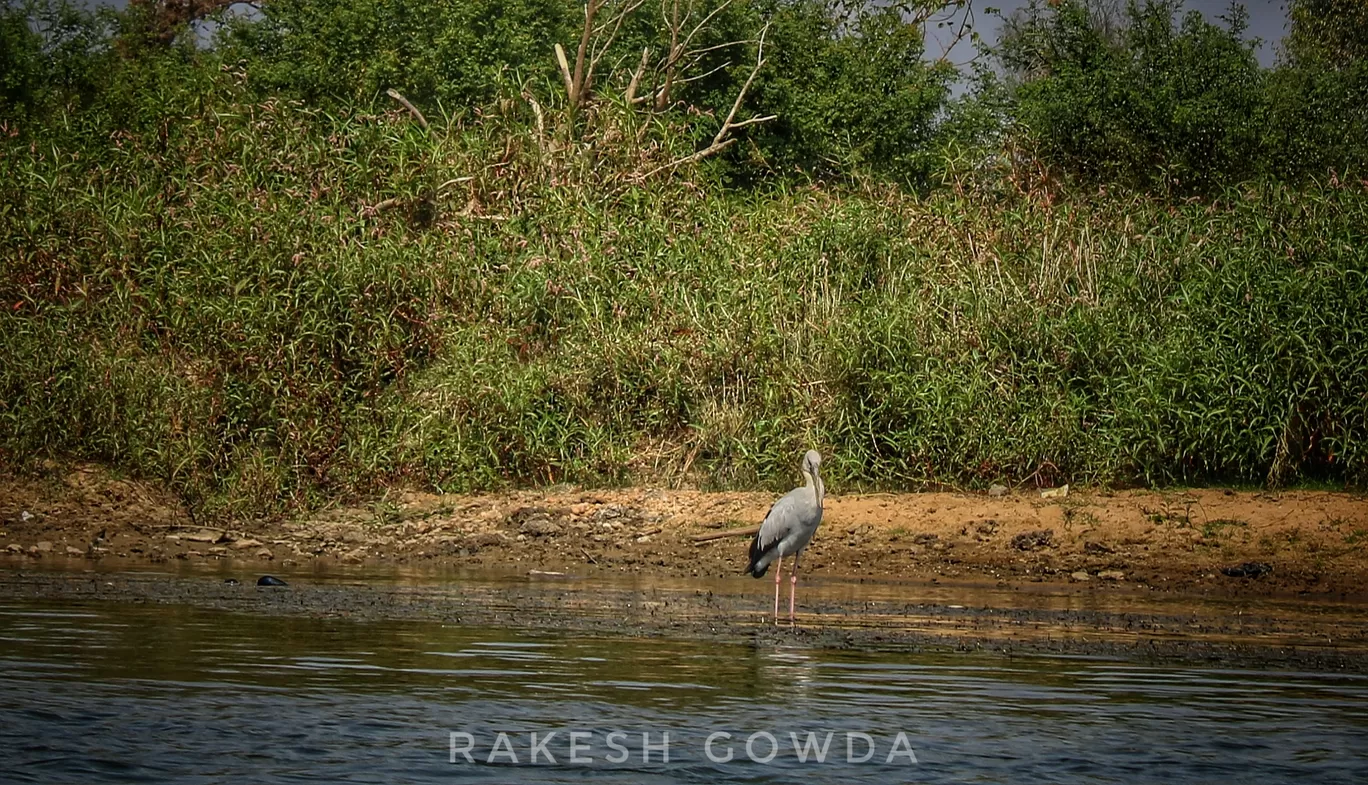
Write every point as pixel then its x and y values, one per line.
pixel 269 287
pixel 1217 527
pixel 1184 108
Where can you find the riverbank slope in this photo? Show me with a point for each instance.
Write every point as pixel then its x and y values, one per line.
pixel 1222 541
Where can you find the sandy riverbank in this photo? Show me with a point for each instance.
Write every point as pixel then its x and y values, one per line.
pixel 1305 542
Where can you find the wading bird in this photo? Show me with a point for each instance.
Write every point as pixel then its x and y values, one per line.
pixel 788 528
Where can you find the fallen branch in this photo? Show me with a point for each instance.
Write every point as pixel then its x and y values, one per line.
pixel 237 534
pixel 370 211
pixel 381 206
pixel 454 181
pixel 749 531
pixel 541 121
pixel 141 526
pixel 413 110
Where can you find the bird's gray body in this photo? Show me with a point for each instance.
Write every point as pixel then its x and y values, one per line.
pixel 791 522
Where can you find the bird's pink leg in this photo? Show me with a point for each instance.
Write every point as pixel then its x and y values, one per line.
pixel 793 587
pixel 778 567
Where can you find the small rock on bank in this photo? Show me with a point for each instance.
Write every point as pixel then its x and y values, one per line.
pixel 1029 541
pixel 1250 569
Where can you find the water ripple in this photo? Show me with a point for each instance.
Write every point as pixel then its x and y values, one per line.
pixel 126 693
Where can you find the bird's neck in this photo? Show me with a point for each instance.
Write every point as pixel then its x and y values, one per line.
pixel 814 481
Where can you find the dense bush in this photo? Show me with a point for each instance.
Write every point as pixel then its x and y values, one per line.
pixel 1150 105
pixel 1328 33
pixel 51 54
pixel 852 93
pixel 1185 107
pixel 454 54
pixel 1319 120
pixel 267 300
pixel 1317 123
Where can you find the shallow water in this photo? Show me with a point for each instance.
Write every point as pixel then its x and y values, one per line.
pixel 114 692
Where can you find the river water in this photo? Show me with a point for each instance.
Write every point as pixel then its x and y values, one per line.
pixel 104 691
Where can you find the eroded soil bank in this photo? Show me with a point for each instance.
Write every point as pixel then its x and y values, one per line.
pixel 1276 544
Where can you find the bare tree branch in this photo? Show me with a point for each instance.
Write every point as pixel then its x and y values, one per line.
pixel 706 74
pixel 595 40
pixel 671 17
pixel 591 9
pixel 753 121
pixel 711 149
pixel 630 95
pixel 741 96
pixel 698 27
pixel 966 28
pixel 679 48
pixel 605 43
pixel 696 53
pixel 723 139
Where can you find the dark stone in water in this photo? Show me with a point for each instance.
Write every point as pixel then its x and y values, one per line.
pixel 232 581
pixel 1250 569
pixel 270 580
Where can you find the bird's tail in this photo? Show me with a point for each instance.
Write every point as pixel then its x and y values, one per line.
pixel 759 565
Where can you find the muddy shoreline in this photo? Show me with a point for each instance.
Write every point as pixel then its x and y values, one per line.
pixel 1133 573
pixel 1047 620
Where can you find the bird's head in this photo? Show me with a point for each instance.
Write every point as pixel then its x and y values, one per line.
pixel 812 461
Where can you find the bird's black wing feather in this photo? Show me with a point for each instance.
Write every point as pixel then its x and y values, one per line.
pixel 760 548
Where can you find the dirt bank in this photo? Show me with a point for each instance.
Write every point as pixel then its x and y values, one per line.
pixel 1298 542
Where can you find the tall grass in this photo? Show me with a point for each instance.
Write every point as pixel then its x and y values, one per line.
pixel 265 307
